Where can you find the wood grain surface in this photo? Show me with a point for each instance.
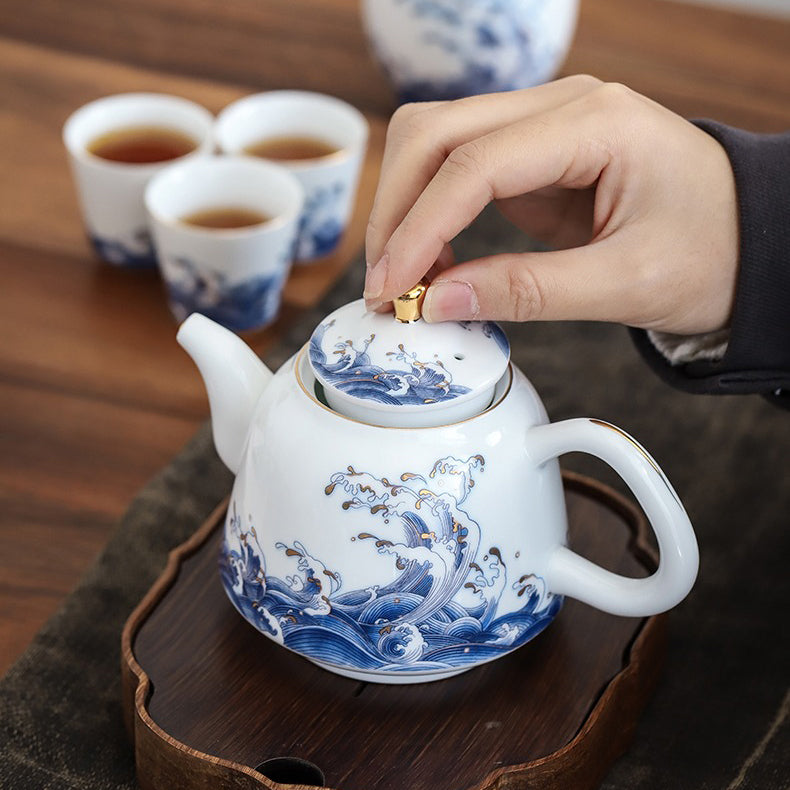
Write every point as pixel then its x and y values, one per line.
pixel 94 394
pixel 212 702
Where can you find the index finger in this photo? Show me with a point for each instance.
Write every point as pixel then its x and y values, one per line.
pixel 567 146
pixel 421 136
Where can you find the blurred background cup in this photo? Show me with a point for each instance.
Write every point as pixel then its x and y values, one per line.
pixel 115 146
pixel 318 138
pixel 224 229
pixel 448 49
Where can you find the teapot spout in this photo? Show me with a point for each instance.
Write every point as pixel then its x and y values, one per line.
pixel 234 377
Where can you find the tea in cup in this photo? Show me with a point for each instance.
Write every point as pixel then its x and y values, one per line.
pixel 320 139
pixel 115 145
pixel 224 230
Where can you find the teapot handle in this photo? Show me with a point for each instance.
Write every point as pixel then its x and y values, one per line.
pixel 570 574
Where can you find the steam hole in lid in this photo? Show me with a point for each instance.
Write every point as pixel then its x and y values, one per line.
pixel 318 389
pixel 459 357
pixel 292 771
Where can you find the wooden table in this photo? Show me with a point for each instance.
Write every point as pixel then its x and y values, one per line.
pixel 95 395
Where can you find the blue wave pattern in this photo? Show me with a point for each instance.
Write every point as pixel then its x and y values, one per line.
pixel 138 255
pixel 320 228
pixel 491 330
pixel 238 306
pixel 409 381
pixel 487 40
pixel 439 613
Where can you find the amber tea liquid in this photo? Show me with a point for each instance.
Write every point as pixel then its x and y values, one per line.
pixel 142 145
pixel 291 147
pixel 225 218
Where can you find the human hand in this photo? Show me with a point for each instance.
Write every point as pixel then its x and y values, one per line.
pixel 638 205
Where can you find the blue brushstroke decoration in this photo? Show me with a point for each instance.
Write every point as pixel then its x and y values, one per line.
pixel 413 623
pixel 409 381
pixel 138 255
pixel 320 226
pixel 482 46
pixel 238 306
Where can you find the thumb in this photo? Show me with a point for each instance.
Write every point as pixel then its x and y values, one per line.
pixel 583 283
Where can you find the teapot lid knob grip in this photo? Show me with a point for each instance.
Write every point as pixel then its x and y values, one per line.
pixel 408 306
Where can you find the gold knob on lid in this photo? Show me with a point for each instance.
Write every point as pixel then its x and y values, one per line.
pixel 408 306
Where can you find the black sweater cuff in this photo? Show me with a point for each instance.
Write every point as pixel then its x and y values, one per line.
pixel 758 354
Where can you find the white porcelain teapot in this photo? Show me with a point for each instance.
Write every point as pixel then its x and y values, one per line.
pixel 398 512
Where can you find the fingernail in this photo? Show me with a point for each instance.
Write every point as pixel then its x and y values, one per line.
pixel 373 305
pixel 450 300
pixel 375 279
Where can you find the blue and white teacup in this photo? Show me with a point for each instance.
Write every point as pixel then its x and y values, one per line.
pixel 448 49
pixel 111 192
pixel 329 180
pixel 234 276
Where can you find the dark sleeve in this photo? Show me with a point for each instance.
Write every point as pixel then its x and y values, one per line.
pixel 758 354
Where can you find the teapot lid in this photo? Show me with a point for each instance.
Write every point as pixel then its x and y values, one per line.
pixel 372 363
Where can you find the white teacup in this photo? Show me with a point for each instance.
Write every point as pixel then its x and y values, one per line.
pixel 111 192
pixel 329 181
pixel 233 275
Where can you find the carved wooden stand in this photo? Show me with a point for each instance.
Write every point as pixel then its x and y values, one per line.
pixel 213 704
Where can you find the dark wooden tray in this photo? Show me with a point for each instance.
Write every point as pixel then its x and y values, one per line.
pixel 209 700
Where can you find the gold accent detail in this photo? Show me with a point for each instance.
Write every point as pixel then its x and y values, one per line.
pixel 630 439
pixel 408 306
pixel 641 450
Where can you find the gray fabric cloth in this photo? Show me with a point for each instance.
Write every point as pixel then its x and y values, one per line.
pixel 719 718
